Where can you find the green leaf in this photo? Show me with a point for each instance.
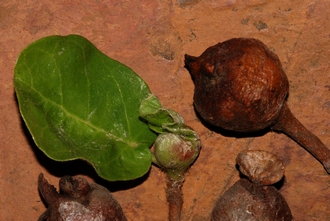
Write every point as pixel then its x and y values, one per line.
pixel 79 103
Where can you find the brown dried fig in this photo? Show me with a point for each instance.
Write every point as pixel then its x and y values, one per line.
pixel 260 167
pixel 254 199
pixel 78 201
pixel 240 86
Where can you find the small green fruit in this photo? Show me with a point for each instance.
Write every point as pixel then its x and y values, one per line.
pixel 174 153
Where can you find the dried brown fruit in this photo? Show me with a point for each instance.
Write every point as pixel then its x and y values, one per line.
pixel 246 201
pixel 240 86
pixel 254 199
pixel 78 201
pixel 260 167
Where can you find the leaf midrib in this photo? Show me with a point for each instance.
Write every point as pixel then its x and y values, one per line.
pixel 69 114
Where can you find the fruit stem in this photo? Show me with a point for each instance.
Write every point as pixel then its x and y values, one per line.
pixel 174 197
pixel 290 126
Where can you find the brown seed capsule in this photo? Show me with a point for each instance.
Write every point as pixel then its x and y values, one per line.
pixel 254 199
pixel 80 201
pixel 240 86
pixel 246 201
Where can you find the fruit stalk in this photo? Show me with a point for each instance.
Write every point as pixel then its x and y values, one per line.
pixel 174 197
pixel 289 125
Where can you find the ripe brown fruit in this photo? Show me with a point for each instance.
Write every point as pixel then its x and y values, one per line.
pixel 254 198
pixel 240 86
pixel 78 200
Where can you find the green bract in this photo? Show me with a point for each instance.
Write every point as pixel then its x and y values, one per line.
pixel 79 103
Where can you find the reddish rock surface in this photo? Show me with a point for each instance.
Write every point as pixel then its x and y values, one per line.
pixel 152 37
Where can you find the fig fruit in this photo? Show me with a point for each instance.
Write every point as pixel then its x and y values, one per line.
pixel 78 201
pixel 175 153
pixel 254 199
pixel 240 86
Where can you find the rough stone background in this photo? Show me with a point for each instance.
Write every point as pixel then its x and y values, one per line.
pixel 151 37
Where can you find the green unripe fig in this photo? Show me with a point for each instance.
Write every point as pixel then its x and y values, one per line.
pixel 174 153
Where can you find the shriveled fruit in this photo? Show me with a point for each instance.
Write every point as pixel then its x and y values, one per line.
pixel 260 167
pixel 245 201
pixel 78 201
pixel 254 199
pixel 240 86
